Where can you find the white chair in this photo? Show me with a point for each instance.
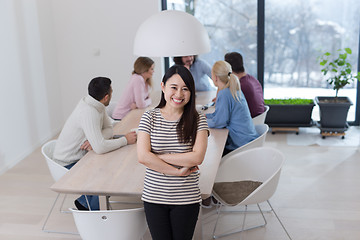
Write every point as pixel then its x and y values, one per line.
pixel 249 177
pixel 125 224
pixel 262 130
pixel 56 171
pixel 260 119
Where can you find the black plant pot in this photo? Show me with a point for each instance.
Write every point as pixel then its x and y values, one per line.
pixel 281 115
pixel 333 115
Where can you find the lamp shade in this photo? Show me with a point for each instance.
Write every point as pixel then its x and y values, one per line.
pixel 171 33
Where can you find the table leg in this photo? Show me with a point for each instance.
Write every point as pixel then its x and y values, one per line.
pixel 103 201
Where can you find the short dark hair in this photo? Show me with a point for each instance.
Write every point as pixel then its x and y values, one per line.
pixel 236 61
pixel 187 126
pixel 99 87
pixel 178 60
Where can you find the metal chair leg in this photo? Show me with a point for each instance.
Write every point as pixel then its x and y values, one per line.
pixel 218 210
pixel 243 224
pixel 47 218
pixel 282 225
pixel 87 201
pixel 62 204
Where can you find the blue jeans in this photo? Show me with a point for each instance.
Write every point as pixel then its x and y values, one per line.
pixel 92 199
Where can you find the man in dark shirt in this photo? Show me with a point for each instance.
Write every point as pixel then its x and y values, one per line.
pixel 250 86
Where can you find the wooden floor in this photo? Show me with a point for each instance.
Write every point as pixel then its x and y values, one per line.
pixel 318 197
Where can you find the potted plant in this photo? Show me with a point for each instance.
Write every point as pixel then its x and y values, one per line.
pixel 333 110
pixel 290 112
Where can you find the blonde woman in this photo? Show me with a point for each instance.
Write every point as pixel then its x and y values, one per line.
pixel 137 92
pixel 231 109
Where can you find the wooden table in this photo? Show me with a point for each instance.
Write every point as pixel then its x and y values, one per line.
pixel 118 173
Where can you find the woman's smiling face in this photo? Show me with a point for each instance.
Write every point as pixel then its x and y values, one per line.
pixel 176 92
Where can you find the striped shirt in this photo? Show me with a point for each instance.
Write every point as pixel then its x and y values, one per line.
pixel 165 189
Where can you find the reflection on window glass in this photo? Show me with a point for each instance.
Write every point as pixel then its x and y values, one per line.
pixel 296 34
pixel 231 25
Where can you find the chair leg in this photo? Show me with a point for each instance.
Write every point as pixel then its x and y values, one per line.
pixel 249 211
pixel 282 225
pixel 244 219
pixel 262 214
pixel 62 204
pixel 87 201
pixel 243 224
pixel 218 210
pixel 47 218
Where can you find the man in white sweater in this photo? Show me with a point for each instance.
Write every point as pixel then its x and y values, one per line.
pixel 89 128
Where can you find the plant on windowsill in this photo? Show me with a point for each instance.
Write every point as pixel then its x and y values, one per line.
pixel 290 112
pixel 334 110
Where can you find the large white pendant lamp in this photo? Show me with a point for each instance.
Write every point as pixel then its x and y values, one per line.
pixel 171 33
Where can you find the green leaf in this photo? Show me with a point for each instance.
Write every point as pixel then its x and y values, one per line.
pixel 348 50
pixel 358 76
pixel 343 56
pixel 332 64
pixel 341 63
pixel 339 67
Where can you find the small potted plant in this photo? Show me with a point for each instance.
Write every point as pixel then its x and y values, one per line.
pixel 290 112
pixel 333 110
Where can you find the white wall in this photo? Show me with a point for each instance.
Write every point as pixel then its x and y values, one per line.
pixel 50 50
pixel 95 38
pixel 29 96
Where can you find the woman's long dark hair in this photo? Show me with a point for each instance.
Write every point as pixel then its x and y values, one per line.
pixel 187 126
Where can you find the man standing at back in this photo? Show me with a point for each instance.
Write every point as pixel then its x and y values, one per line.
pixel 250 86
pixel 89 128
pixel 200 70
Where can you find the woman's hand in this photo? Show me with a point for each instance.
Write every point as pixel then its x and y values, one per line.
pixel 185 171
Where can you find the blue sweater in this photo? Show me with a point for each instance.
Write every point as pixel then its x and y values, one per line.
pixel 234 116
pixel 201 72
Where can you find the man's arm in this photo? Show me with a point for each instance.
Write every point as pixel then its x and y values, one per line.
pixel 107 128
pixel 93 129
pixel 206 68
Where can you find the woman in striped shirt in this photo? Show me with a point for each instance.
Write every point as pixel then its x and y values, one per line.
pixel 172 141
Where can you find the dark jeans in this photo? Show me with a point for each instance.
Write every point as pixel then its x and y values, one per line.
pixel 171 222
pixel 92 199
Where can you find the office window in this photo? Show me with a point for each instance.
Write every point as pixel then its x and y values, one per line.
pixel 296 33
pixel 231 25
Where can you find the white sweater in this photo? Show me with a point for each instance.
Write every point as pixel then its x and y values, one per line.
pixel 89 121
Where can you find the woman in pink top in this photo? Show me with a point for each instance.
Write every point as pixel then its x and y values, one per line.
pixel 137 92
